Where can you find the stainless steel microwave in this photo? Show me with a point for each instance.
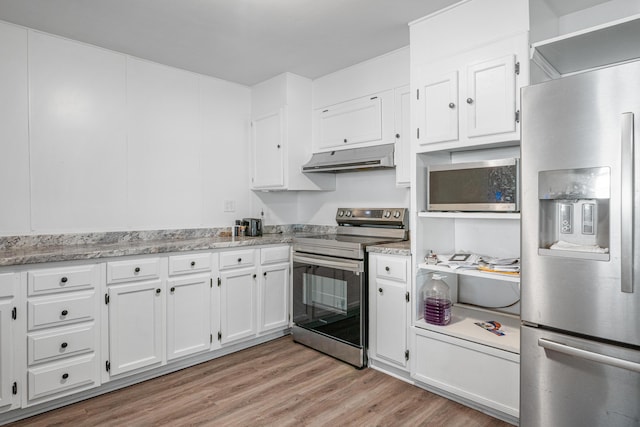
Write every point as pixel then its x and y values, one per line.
pixel 492 185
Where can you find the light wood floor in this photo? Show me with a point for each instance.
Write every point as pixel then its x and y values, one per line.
pixel 280 383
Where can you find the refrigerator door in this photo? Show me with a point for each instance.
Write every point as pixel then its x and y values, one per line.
pixel 568 381
pixel 582 127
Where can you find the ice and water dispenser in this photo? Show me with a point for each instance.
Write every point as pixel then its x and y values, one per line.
pixel 574 213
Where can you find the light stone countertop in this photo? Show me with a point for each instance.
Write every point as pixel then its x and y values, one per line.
pixel 393 248
pixel 22 250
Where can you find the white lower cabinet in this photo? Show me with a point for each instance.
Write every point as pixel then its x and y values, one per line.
pixel 238 304
pixel 63 342
pixel 477 373
pixel 9 341
pixel 389 309
pixel 135 312
pixel 188 315
pixel 273 288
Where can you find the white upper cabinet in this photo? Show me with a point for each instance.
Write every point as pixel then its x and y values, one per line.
pixel 359 122
pixel 268 133
pixel 467 84
pixel 491 97
pixel 281 136
pixel 440 108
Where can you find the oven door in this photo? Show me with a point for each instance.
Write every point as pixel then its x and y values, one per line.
pixel 327 296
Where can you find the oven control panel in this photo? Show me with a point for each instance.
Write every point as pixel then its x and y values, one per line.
pixel 359 216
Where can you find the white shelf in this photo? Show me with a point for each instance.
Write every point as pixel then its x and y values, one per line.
pixel 470 215
pixel 474 273
pixel 463 326
pixel 602 45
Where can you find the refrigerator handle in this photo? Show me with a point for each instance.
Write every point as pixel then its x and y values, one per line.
pixel 589 355
pixel 627 203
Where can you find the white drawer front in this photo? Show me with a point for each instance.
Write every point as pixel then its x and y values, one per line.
pixel 57 377
pixel 46 312
pixel 392 268
pixel 235 259
pixel 62 279
pixel 195 263
pixel 44 347
pixel 273 255
pixel 126 271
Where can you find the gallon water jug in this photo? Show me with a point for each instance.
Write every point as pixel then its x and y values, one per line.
pixel 437 301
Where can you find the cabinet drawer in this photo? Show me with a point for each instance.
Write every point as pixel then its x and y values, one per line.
pixel 66 342
pixel 62 279
pixel 57 377
pixel 273 255
pixel 235 259
pixel 126 271
pixel 46 312
pixel 181 264
pixel 460 367
pixel 394 268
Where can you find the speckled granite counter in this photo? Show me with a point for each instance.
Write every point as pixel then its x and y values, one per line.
pixel 397 248
pixel 20 250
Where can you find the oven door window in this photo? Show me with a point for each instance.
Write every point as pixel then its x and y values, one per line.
pixel 327 300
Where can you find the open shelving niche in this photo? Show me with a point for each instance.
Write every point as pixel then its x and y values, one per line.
pixel 487 233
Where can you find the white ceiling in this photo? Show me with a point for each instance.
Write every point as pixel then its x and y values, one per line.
pixel 244 41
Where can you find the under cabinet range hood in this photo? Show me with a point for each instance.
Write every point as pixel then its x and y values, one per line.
pixel 352 159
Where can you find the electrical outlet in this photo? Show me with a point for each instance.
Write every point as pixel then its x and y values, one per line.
pixel 229 205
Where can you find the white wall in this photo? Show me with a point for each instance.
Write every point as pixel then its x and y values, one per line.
pixel 94 140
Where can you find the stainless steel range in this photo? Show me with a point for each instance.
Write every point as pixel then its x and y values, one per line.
pixel 330 281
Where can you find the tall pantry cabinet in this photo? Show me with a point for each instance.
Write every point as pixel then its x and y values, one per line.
pixel 468 63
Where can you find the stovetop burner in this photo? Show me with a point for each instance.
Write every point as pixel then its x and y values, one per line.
pixel 357 229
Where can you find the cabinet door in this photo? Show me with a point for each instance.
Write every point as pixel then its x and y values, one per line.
pixel 188 316
pixel 268 160
pixel 491 97
pixel 402 118
pixel 440 98
pixel 350 122
pixel 238 304
pixel 135 326
pixel 391 321
pixel 274 297
pixel 9 287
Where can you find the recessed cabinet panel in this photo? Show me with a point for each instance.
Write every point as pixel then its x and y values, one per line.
pixel 441 109
pixel 135 326
pixel 274 297
pixel 391 321
pixel 188 316
pixel 491 97
pixel 276 254
pixel 55 378
pixel 137 269
pixel 350 122
pixel 62 279
pixel 268 133
pixel 59 343
pixel 234 259
pixel 192 263
pixel 238 304
pixel 64 310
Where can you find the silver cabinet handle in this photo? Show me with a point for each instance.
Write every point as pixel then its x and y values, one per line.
pixel 589 355
pixel 627 201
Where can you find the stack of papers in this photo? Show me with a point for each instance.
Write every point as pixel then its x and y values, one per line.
pixel 480 262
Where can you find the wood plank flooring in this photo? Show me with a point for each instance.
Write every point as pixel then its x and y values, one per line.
pixel 279 383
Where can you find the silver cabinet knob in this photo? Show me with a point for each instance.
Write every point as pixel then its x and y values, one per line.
pixel 469 100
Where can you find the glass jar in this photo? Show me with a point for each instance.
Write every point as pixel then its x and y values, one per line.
pixel 437 300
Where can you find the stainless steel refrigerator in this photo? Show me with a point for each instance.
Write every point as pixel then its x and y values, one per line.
pixel 580 342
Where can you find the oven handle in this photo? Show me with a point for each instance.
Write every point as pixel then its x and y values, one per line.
pixel 340 264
